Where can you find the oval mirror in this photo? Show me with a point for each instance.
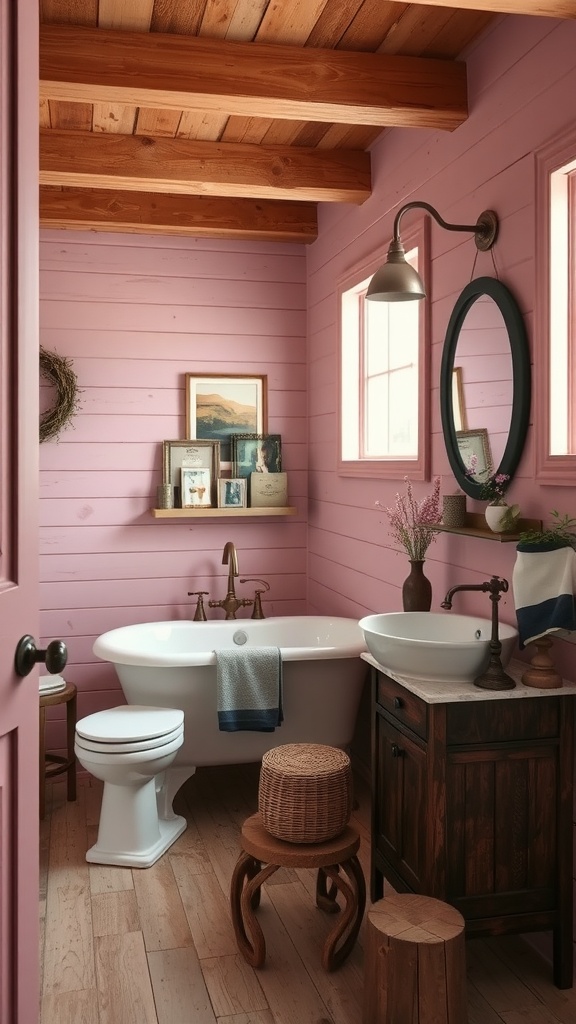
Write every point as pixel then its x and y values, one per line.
pixel 485 384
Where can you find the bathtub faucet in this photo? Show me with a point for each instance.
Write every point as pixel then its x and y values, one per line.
pixel 494 678
pixel 230 603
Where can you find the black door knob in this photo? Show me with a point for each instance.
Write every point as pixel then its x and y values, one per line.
pixel 27 655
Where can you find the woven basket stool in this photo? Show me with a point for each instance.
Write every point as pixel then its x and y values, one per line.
pixel 415 962
pixel 305 792
pixel 336 861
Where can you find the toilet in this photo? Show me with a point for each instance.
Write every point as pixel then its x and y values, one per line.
pixel 128 747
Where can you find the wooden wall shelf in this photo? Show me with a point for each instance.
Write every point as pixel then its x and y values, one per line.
pixel 476 526
pixel 220 513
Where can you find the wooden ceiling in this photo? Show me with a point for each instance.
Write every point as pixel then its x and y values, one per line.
pixel 234 118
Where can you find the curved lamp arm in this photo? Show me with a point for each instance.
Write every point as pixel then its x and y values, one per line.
pixel 485 230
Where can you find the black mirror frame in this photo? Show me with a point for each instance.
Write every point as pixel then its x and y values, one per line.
pixel 521 378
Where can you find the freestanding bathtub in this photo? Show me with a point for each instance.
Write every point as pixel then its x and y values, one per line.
pixel 173 664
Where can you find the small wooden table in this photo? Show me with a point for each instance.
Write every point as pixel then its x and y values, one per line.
pixel 335 859
pixel 56 764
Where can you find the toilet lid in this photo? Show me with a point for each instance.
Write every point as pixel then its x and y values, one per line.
pixel 129 723
pixel 155 745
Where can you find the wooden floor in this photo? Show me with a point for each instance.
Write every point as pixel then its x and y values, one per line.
pixel 156 946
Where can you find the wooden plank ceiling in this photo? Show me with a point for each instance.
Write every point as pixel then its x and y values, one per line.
pixel 234 118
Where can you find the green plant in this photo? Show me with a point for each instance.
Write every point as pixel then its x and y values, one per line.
pixel 561 532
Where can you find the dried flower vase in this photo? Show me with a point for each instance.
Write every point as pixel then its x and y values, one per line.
pixel 416 589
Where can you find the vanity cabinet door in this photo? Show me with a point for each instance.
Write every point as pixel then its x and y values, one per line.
pixel 501 818
pixel 399 812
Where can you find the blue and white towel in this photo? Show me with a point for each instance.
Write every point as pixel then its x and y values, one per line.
pixel 544 584
pixel 249 689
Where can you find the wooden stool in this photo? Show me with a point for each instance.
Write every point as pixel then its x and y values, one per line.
pixel 56 764
pixel 415 964
pixel 334 859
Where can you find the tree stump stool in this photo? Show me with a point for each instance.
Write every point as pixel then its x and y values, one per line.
pixel 415 962
pixel 337 863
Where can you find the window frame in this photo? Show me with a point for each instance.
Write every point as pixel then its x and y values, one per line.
pixel 550 469
pixel 417 235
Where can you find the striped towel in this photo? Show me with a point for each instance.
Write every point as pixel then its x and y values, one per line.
pixel 249 689
pixel 544 583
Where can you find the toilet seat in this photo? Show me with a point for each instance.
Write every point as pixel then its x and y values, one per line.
pixel 121 754
pixel 154 744
pixel 129 725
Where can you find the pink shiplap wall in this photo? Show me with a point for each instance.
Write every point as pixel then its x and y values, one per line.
pixel 134 314
pixel 522 83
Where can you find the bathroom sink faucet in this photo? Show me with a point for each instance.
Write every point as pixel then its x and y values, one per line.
pixel 230 603
pixel 494 678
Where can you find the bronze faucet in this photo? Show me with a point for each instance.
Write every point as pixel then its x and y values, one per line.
pixel 230 603
pixel 494 678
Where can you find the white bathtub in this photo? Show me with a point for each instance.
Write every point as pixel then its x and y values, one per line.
pixel 173 664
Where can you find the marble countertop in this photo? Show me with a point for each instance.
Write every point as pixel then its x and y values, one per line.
pixel 444 692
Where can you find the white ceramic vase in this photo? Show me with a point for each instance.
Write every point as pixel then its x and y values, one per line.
pixel 500 518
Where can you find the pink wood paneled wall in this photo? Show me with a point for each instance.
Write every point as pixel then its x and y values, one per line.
pixel 522 83
pixel 134 314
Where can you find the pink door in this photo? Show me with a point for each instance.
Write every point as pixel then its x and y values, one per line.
pixel 18 509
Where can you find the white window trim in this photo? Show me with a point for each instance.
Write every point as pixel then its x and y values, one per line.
pixel 550 469
pixel 418 468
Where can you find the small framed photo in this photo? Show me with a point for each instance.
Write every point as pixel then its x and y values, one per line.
pixel 476 442
pixel 256 453
pixel 188 454
pixel 196 487
pixel 232 493
pixel 218 406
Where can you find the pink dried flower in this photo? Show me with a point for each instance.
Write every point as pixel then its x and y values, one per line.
pixel 412 521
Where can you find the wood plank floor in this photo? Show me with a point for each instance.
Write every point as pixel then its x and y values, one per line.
pixel 156 946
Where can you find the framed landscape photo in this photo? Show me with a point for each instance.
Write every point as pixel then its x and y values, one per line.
pixel 256 453
pixel 196 487
pixel 218 406
pixel 232 493
pixel 188 454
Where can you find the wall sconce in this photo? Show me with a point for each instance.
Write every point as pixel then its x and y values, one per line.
pixel 397 281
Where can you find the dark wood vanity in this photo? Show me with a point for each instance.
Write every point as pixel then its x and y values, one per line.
pixel 472 803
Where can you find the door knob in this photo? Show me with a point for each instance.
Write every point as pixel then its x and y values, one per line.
pixel 27 655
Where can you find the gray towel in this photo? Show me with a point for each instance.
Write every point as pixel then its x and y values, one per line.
pixel 249 689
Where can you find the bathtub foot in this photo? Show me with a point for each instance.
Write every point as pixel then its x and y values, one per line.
pixel 167 785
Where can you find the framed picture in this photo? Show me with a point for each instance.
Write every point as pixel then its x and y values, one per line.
pixel 476 442
pixel 219 406
pixel 232 493
pixel 190 454
pixel 256 453
pixel 196 487
pixel 458 405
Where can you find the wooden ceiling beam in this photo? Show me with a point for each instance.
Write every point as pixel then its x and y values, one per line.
pixel 182 166
pixel 198 216
pixel 544 8
pixel 168 71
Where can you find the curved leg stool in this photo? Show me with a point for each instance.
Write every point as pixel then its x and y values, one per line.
pixel 337 863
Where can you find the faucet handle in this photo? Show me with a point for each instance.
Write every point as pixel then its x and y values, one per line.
pixel 200 613
pixel 257 612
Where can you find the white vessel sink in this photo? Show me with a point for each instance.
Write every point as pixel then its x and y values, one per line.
pixel 434 645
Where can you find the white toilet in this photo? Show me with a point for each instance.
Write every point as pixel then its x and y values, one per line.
pixel 128 747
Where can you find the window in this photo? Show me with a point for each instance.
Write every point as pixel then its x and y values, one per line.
pixel 384 384
pixel 555 348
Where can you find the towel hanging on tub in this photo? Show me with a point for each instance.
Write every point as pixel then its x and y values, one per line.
pixel 249 689
pixel 544 584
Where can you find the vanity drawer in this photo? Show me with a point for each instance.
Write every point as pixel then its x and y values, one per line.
pixel 403 705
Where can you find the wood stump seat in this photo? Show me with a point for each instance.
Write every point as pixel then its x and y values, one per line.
pixel 338 871
pixel 415 962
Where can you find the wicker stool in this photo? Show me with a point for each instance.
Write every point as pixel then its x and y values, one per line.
pixel 415 962
pixel 305 792
pixel 335 859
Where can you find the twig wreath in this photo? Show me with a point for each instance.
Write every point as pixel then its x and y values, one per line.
pixel 58 372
